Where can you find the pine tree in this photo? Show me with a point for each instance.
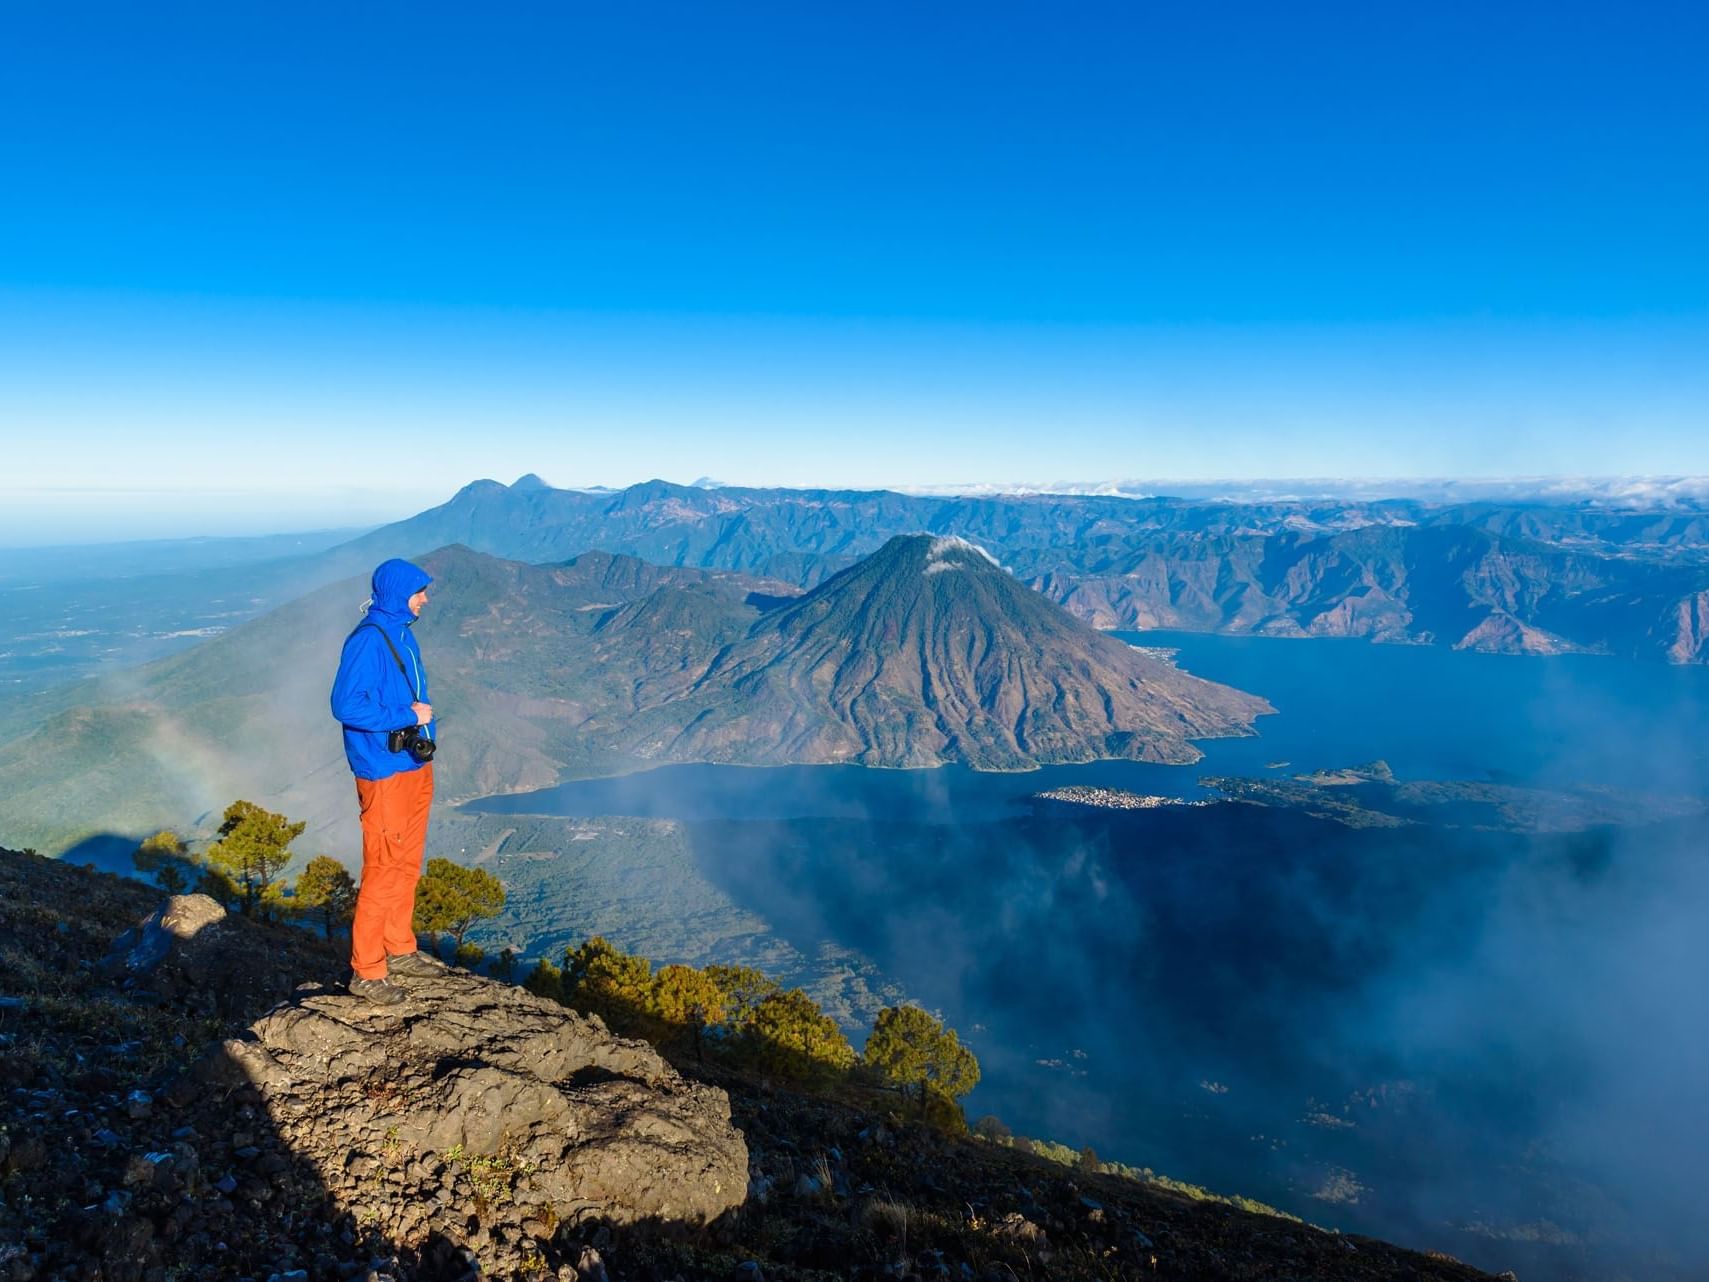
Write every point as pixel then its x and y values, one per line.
pixel 166 861
pixel 325 886
pixel 744 988
pixel 789 1035
pixel 451 898
pixel 469 956
pixel 909 1048
pixel 688 1001
pixel 601 979
pixel 545 980
pixel 252 851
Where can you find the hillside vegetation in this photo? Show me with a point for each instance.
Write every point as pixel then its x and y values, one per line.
pixel 122 1164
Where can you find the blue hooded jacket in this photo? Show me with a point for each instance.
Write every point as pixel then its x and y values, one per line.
pixel 370 696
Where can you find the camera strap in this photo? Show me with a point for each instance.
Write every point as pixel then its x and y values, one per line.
pixel 398 658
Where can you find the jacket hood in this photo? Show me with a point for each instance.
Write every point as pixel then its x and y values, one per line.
pixel 395 582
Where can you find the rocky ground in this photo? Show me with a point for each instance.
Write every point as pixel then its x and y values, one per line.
pixel 202 1101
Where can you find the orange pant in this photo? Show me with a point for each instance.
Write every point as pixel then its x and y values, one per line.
pixel 394 838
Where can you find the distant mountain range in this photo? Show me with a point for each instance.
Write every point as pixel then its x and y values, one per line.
pixel 1619 493
pixel 1601 576
pixel 925 653
pixel 1497 577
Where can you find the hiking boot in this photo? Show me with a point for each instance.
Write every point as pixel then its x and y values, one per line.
pixel 415 965
pixel 382 992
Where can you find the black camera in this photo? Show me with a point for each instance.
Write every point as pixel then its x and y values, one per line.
pixel 411 740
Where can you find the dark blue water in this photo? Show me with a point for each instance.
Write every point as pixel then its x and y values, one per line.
pixel 1431 713
pixel 1198 988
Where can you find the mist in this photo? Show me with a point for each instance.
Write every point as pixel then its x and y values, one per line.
pixel 1460 1037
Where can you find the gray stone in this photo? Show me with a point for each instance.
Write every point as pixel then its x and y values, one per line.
pixel 140 951
pixel 586 1120
pixel 184 916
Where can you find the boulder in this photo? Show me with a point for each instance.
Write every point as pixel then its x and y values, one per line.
pixel 191 954
pixel 141 950
pixel 531 1103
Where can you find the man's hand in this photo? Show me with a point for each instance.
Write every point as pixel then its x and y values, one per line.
pixel 423 713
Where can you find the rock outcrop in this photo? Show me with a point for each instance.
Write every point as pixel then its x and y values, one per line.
pixel 165 931
pixel 1501 633
pixel 1685 631
pixel 190 953
pixel 480 1091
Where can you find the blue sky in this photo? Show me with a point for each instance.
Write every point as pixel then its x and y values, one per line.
pixel 270 266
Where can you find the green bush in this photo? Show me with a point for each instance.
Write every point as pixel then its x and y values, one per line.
pixel 325 887
pixel 243 866
pixel 450 898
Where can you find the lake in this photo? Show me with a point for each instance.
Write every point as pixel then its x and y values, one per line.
pixel 1422 1032
pixel 1431 713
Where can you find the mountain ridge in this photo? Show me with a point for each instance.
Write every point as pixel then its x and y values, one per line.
pixel 1574 578
pixel 1413 572
pixel 895 662
pixel 599 665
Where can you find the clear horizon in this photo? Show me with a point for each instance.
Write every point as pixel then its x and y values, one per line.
pixel 257 277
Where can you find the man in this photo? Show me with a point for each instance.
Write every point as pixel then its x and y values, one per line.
pixel 381 689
